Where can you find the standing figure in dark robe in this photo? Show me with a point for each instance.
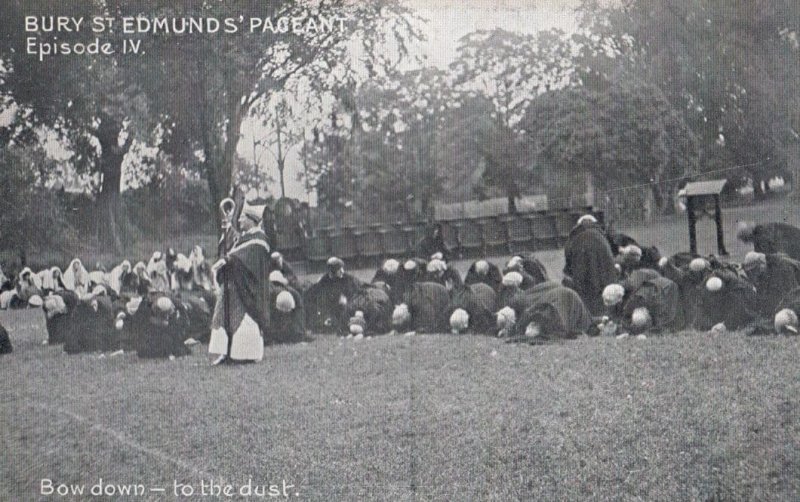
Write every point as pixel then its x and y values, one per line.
pixel 555 313
pixel 589 262
pixel 278 262
pixel 772 238
pixel 773 275
pixel 477 301
pixel 241 316
pixel 5 341
pixel 483 271
pixel 425 309
pixel 288 321
pixel 433 243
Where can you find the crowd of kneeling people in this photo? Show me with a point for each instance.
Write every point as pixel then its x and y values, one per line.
pixel 612 286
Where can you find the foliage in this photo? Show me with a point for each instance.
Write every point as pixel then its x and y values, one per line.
pixel 627 135
pixel 727 67
pixel 31 217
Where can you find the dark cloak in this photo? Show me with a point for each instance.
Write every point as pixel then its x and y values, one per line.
pixel 589 264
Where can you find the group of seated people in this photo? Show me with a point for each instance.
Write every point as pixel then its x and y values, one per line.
pixel 611 286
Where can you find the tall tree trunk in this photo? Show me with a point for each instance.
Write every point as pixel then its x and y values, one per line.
pixel 111 157
pixel 219 170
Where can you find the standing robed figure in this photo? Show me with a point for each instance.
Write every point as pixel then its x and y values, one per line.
pixel 241 315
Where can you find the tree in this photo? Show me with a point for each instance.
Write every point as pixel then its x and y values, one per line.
pixel 627 136
pixel 510 69
pixel 207 87
pixel 90 101
pixel 30 216
pixel 728 70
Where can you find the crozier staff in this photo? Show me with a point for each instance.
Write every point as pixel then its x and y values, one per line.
pixel 241 314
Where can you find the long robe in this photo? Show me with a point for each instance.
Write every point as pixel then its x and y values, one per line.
pixel 324 298
pixel 91 330
pixel 241 316
pixel 393 283
pixel 376 304
pixel 478 301
pixel 58 308
pixel 589 264
pixel 155 336
pixel 734 304
pixel 286 327
pixel 661 297
pixel 428 304
pixel 781 276
pixel 5 341
pixel 560 313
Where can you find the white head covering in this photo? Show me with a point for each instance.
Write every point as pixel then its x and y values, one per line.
pixel 641 318
pixel 632 250
pixel 663 262
pixel 754 258
pixel 714 284
pixel 699 264
pixel 115 276
pixel 278 277
pixel 515 262
pixel 285 301
pixel 459 320
pixel 410 265
pixel 786 319
pixel 437 256
pixel 254 212
pixel 506 318
pixel 400 315
pixel 533 329
pixel 46 279
pixel 183 263
pixel 613 294
pixel 164 305
pixel 436 266
pixel 512 279
pixel 54 305
pixel 586 218
pixel 391 266
pixel 98 277
pixel 482 267
pixel 76 280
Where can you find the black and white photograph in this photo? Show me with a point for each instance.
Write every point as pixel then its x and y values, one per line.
pixel 400 250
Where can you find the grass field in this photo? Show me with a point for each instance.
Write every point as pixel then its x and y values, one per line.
pixel 686 416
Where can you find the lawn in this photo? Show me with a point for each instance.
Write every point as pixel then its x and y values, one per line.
pixel 699 416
